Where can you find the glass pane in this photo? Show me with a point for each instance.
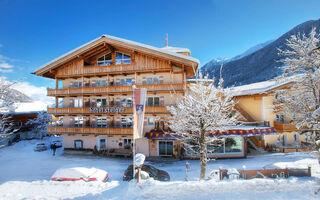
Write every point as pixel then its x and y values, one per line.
pixel 156 101
pixel 101 58
pixel 150 101
pixel 118 55
pixel 162 148
pixel 149 81
pixel 170 148
pixel 129 81
pixel 155 80
pixel 233 144
pixel 126 56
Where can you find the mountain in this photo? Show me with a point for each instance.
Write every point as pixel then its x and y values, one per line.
pixel 19 97
pixel 259 63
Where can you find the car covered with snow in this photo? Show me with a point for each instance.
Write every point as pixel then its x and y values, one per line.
pixel 80 173
pixel 153 172
pixel 40 147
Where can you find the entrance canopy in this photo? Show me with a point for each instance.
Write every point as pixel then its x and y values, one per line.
pixel 231 131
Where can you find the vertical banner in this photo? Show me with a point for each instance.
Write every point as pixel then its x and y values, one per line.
pixel 140 95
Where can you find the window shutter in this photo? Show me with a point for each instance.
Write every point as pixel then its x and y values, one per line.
pixel 118 102
pixel 93 102
pixel 117 124
pixel 93 84
pixel 71 103
pixel 133 81
pixel 161 79
pixel 162 101
pixel 118 82
pixel 70 85
pixel 144 81
pixel 145 122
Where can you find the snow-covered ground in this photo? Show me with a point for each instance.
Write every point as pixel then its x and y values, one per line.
pixel 25 174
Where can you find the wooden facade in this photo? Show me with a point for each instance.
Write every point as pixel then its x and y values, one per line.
pixel 94 87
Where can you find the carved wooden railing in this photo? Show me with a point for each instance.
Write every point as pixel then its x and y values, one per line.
pixel 89 130
pixel 115 89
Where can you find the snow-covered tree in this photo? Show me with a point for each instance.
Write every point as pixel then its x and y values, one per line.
pixel 40 124
pixel 300 102
pixel 204 109
pixel 6 105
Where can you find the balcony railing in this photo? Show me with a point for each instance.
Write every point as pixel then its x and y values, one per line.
pixel 113 69
pixel 284 126
pixel 115 89
pixel 107 110
pixel 111 130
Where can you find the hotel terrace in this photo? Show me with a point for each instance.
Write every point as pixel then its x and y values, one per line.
pixel 93 99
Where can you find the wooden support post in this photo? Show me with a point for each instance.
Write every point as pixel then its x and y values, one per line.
pixel 57 83
pixel 220 173
pixel 57 102
pixel 244 173
pixel 309 171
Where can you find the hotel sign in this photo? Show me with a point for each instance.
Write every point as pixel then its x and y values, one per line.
pixel 106 110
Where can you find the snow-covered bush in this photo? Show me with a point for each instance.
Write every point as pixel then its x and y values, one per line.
pixel 40 124
pixel 204 109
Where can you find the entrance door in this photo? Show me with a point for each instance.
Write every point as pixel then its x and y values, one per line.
pixel 102 144
pixel 165 148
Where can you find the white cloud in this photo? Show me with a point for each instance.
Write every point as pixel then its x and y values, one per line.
pixel 36 93
pixel 5 67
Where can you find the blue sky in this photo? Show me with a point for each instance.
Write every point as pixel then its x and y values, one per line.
pixel 34 32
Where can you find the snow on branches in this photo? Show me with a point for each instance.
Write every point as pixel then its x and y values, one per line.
pixel 6 105
pixel 204 109
pixel 300 102
pixel 40 124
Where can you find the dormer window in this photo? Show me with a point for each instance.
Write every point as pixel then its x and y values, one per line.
pixel 122 58
pixel 105 59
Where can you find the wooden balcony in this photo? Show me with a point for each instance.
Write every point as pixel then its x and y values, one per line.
pixel 112 69
pixel 104 110
pixel 284 127
pixel 168 87
pixel 89 131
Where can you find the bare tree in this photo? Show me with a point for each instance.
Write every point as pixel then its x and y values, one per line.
pixel 301 101
pixel 205 109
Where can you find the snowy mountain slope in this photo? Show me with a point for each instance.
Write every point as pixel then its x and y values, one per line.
pixel 262 64
pixel 216 62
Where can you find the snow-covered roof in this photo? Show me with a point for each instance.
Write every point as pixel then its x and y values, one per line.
pixel 31 107
pixel 176 49
pixel 165 51
pixel 259 88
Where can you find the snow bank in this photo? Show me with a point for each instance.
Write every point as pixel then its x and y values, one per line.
pixel 80 173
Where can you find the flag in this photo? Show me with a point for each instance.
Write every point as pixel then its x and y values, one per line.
pixel 140 95
pixel 166 43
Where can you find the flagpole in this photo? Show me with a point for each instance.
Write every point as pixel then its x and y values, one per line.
pixel 133 137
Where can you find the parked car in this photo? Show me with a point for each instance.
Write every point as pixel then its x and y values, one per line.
pixel 58 143
pixel 153 172
pixel 40 147
pixel 80 173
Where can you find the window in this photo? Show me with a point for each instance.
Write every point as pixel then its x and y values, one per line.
pixel 165 148
pixel 78 121
pixel 77 84
pixel 105 59
pixel 125 81
pixel 153 101
pixel 233 145
pixel 126 102
pixel 122 58
pixel 280 118
pixel 127 143
pixel 151 121
pixel 77 103
pixel 126 122
pixel 101 83
pixel 60 121
pixel 78 144
pixel 101 102
pixel 101 122
pixel 152 80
